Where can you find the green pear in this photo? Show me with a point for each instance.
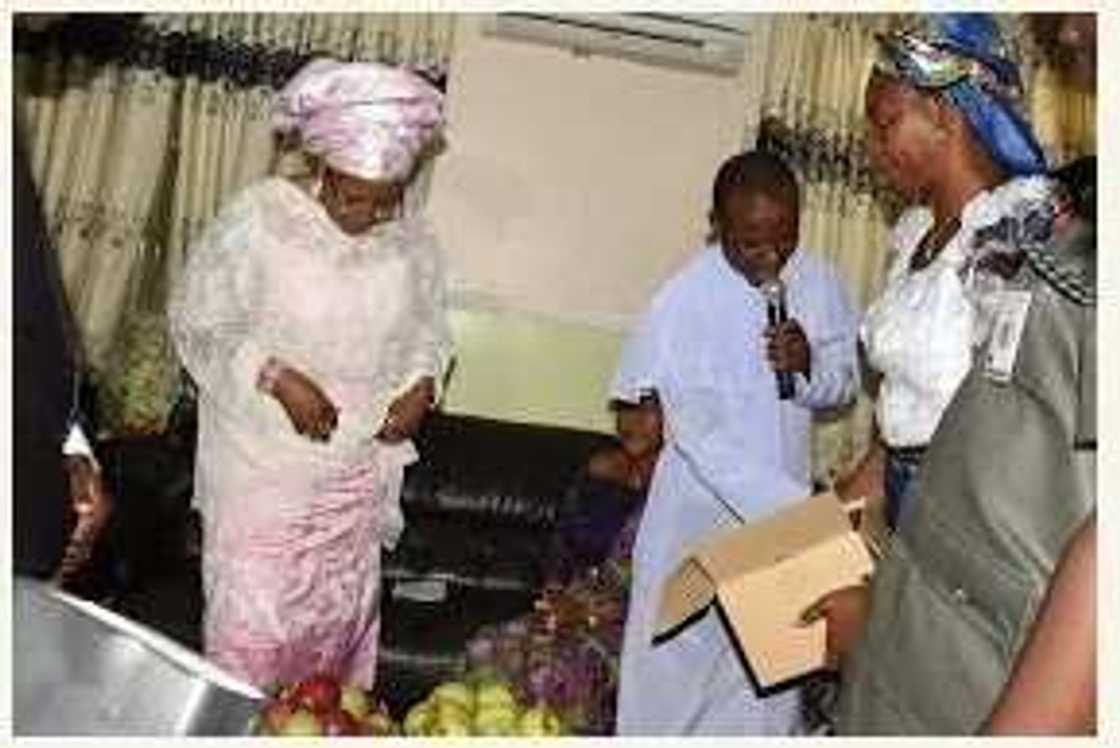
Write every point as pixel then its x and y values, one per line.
pixel 451 729
pixel 353 702
pixel 302 723
pixel 418 719
pixel 496 720
pixel 492 694
pixel 454 692
pixel 450 713
pixel 539 721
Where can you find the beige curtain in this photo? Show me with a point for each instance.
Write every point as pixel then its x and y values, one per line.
pixel 1064 117
pixel 812 113
pixel 816 66
pixel 139 127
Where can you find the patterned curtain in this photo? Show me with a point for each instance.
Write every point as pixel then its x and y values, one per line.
pixel 816 66
pixel 812 114
pixel 138 127
pixel 1064 117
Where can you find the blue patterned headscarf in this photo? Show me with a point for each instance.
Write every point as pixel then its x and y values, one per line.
pixel 963 56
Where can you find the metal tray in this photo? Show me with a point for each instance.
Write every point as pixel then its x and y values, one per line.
pixel 79 669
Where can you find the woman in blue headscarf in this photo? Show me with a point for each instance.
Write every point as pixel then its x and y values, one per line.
pixel 928 645
pixel 944 130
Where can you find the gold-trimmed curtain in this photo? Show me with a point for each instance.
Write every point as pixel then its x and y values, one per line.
pixel 812 114
pixel 1064 116
pixel 814 73
pixel 138 127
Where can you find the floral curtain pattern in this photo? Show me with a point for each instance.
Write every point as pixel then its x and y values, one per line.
pixel 812 114
pixel 1064 117
pixel 816 66
pixel 138 128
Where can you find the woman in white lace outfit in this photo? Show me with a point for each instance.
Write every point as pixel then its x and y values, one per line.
pixel 311 316
pixel 944 131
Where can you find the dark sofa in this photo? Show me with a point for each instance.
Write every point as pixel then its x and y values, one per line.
pixel 480 506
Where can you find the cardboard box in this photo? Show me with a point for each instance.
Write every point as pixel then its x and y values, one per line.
pixel 763 575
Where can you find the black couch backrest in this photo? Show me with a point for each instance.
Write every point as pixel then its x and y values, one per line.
pixel 506 472
pixel 481 503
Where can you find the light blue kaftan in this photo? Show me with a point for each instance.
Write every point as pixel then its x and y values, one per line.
pixel 732 449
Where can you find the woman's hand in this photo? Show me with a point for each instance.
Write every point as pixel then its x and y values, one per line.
pixel 866 480
pixel 311 412
pixel 407 412
pixel 845 612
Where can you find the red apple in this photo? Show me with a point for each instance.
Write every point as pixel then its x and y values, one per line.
pixel 319 693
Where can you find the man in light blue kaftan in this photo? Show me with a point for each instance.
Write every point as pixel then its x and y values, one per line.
pixel 733 450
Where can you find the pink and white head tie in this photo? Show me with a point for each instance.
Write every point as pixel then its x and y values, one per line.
pixel 364 119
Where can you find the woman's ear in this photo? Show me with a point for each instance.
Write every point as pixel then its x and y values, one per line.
pixel 947 119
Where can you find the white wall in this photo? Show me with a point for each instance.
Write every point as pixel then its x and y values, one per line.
pixel 571 187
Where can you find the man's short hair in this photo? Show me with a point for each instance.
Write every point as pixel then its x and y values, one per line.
pixel 759 173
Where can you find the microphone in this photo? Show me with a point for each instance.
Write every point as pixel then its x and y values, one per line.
pixel 775 293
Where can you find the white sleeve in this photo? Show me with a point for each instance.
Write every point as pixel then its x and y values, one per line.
pixel 834 361
pixel 641 359
pixel 209 310
pixel 432 352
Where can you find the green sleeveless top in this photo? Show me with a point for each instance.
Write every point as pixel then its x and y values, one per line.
pixel 1008 477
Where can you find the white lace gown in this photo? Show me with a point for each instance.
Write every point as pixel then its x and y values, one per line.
pixel 293 528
